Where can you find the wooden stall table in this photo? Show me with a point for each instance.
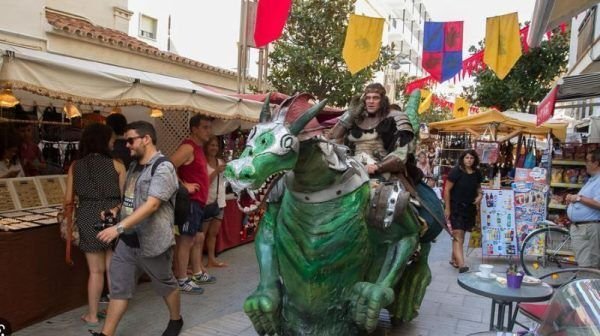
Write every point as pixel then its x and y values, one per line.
pixel 229 235
pixel 35 281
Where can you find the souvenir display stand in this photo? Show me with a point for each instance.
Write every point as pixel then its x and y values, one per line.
pixel 37 283
pixel 236 228
pixel 511 204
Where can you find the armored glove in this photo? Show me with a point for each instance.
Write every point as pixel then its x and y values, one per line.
pixel 355 108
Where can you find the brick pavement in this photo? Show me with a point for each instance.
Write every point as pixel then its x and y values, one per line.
pixel 446 310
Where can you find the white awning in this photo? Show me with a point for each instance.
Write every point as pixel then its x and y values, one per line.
pixel 98 84
pixel 548 14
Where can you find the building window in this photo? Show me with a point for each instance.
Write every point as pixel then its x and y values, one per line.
pixel 148 27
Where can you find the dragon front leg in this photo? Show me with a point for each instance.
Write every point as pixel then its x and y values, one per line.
pixel 369 298
pixel 411 288
pixel 263 307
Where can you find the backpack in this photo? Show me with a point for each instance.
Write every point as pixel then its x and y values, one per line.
pixel 182 197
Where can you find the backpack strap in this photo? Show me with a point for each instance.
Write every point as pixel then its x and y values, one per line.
pixel 157 162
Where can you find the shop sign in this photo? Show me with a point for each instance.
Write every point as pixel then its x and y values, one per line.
pixel 545 110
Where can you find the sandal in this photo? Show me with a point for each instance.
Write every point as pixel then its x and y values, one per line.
pixel 453 264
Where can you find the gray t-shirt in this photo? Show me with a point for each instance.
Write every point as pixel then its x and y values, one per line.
pixel 155 233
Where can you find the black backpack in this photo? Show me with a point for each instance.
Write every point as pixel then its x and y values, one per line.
pixel 182 198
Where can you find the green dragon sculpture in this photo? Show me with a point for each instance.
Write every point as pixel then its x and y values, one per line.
pixel 323 269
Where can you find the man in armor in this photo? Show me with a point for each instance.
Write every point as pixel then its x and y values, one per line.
pixel 379 134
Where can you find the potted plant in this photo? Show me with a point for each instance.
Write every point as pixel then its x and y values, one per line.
pixel 513 276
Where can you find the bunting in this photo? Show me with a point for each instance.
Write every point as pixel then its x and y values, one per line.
pixel 470 65
pixel 271 16
pixel 363 41
pixel 502 43
pixel 442 49
pixel 426 98
pixel 461 108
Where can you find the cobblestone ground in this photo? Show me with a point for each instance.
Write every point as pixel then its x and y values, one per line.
pixel 446 310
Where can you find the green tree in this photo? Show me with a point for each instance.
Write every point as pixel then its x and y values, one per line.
pixel 308 57
pixel 528 82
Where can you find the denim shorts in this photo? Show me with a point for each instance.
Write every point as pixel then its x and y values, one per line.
pixel 193 224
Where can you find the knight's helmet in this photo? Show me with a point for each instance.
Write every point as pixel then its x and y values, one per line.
pixel 298 114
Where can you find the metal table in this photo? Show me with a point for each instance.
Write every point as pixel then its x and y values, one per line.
pixel 503 297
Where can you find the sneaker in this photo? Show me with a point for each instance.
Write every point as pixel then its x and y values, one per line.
pixel 173 328
pixel 203 279
pixel 190 287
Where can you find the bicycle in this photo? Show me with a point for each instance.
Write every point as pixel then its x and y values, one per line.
pixel 547 249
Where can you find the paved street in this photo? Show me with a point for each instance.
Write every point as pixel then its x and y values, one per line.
pixel 447 308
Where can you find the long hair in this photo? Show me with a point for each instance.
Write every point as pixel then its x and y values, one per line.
pixel 219 143
pixel 95 139
pixel 461 159
pixel 384 106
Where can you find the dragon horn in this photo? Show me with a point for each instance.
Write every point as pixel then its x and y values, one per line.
pixel 299 124
pixel 265 113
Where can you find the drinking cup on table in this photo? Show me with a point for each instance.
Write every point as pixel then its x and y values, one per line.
pixel 486 270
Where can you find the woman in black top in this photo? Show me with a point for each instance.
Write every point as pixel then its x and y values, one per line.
pixel 461 196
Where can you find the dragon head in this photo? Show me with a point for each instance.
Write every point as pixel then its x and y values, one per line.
pixel 272 149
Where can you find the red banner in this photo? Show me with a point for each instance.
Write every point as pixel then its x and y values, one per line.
pixel 271 17
pixel 545 110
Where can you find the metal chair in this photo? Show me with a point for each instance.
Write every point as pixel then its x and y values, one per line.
pixel 537 311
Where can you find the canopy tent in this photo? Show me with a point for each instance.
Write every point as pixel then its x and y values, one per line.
pixel 548 14
pixel 503 124
pixel 97 84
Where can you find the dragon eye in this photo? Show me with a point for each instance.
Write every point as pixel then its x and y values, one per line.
pixel 287 141
pixel 263 141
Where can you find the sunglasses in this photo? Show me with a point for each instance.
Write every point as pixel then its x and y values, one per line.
pixel 132 139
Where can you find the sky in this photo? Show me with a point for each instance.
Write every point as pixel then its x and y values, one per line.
pixel 209 31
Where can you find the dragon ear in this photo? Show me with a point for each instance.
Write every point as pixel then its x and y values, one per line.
pixel 298 125
pixel 265 113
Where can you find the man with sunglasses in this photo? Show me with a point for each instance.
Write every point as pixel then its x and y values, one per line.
pixel 584 213
pixel 145 229
pixel 190 162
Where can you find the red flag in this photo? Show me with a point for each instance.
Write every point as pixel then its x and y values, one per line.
pixel 545 110
pixel 271 17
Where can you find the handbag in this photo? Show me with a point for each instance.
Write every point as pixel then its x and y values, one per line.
pixel 530 159
pixel 69 232
pixel 212 210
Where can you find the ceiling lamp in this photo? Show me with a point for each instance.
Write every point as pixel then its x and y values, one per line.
pixel 156 113
pixel 116 110
pixel 71 110
pixel 7 99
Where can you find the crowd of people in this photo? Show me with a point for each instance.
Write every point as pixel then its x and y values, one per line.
pixel 124 190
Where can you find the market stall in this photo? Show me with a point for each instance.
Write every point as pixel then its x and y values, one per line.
pixel 65 89
pixel 515 157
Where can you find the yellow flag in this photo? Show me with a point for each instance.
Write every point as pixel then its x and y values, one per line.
pixel 461 108
pixel 426 97
pixel 502 43
pixel 363 42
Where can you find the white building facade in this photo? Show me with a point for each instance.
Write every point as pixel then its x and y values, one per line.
pixel 404 28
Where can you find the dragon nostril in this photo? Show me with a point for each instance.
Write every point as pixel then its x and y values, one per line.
pixel 250 152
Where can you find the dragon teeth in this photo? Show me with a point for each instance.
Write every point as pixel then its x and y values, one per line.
pixel 251 193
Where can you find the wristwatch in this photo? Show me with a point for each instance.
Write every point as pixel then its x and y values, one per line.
pixel 120 228
pixel 578 198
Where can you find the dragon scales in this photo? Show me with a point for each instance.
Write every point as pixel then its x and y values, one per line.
pixel 323 269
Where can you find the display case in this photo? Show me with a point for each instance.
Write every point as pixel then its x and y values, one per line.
pixel 30 201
